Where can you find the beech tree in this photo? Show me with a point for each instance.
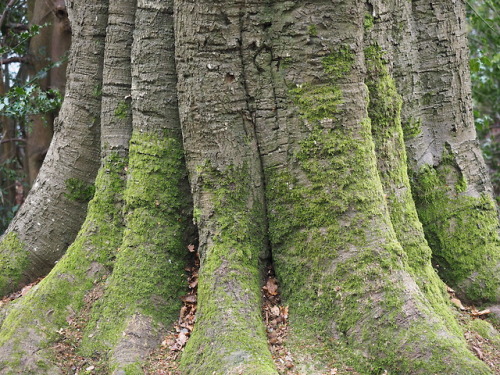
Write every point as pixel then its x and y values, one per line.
pixel 331 139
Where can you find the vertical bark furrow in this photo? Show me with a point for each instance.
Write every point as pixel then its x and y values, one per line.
pixel 116 113
pixel 226 182
pixel 142 295
pixel 54 210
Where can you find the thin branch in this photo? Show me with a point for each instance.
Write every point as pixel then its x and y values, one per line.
pixel 480 17
pixel 13 140
pixel 17 26
pixel 14 59
pixel 5 11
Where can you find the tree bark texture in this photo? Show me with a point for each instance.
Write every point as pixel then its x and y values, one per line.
pixel 55 208
pixel 291 121
pixel 449 178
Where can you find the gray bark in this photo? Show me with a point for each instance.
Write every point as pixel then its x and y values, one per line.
pixel 48 221
pixel 291 128
pixel 226 181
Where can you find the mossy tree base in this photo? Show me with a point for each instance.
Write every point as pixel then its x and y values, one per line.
pixel 289 119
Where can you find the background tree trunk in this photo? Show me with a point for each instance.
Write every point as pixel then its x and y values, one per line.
pixel 50 46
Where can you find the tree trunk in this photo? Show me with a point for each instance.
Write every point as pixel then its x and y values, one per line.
pixel 449 177
pixel 48 47
pixel 55 208
pixel 293 119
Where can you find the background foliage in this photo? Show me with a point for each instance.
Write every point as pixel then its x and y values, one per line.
pixel 484 42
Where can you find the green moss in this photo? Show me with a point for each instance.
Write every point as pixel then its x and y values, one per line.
pixel 229 332
pixel 368 22
pixel 335 251
pixel 461 184
pixel 79 190
pixel 97 92
pixel 312 30
pixel 133 369
pixel 122 110
pixel 317 101
pixel 43 311
pixel 385 111
pixel 462 230
pixel 286 62
pixel 485 330
pixel 14 259
pixel 338 63
pixel 148 275
pixel 412 128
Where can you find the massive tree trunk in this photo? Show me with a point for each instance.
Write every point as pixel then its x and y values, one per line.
pixel 292 118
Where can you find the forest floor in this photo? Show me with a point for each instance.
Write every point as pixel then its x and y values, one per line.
pixel 483 339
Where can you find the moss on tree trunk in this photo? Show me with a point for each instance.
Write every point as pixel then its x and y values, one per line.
pixel 288 118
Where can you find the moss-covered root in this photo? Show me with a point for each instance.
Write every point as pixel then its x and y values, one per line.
pixel 462 230
pixel 384 110
pixel 229 336
pixel 14 258
pixel 144 289
pixel 33 322
pixel 342 270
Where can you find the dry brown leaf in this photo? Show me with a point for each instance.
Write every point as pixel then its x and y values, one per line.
pixel 181 341
pixel 26 289
pixel 272 286
pixel 193 284
pixel 284 312
pixel 478 351
pixel 275 310
pixel 190 298
pixel 480 313
pixel 458 303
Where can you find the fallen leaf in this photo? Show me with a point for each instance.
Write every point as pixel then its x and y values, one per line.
pixel 458 303
pixel 190 298
pixel 193 283
pixel 284 312
pixel 478 352
pixel 275 310
pixel 26 289
pixel 272 286
pixel 480 313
